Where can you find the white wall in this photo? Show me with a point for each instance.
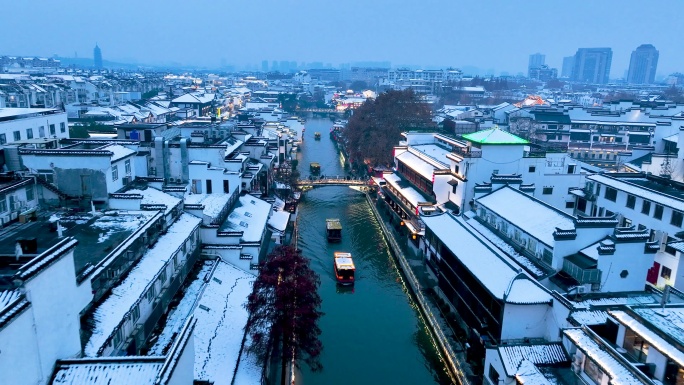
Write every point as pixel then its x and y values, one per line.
pixel 55 313
pixel 524 321
pixel 21 125
pixel 19 357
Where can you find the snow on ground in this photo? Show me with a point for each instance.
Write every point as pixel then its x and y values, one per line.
pixel 508 249
pixel 221 318
pixel 178 316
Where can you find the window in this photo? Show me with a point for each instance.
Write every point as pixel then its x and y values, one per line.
pixel 569 205
pixel 532 169
pixel 598 189
pixel 118 336
pixel 3 204
pixel 493 375
pixel 209 186
pixel 115 173
pixel 127 166
pixel 162 276
pixel 52 130
pixel 41 131
pixel 3 138
pixel 571 169
pixel 62 127
pixel 646 207
pixel 226 186
pixel 658 212
pixel 631 201
pixel 547 190
pixel 17 135
pixel 592 370
pixel 29 193
pixel 676 219
pixel 547 257
pixel 611 194
pixel 29 133
pixel 635 345
pixel 135 314
pixel 150 294
pixel 666 272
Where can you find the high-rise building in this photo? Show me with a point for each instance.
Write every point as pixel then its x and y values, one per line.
pixel 264 66
pixel 97 57
pixel 536 61
pixel 643 64
pixel 592 65
pixel 568 63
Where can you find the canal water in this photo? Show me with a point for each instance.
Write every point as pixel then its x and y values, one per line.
pixel 372 333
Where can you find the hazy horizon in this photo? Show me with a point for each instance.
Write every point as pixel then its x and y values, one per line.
pixel 489 35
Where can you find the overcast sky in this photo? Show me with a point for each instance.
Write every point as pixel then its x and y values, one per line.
pixel 496 35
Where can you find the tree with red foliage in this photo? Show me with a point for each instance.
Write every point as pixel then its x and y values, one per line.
pixel 284 309
pixel 376 126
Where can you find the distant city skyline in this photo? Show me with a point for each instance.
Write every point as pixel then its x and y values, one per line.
pixel 314 31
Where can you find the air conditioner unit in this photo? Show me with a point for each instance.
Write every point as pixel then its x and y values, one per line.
pixel 5 219
pixel 14 216
pixel 580 289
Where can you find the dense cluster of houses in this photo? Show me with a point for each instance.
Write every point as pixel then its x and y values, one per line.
pixel 126 259
pixel 558 269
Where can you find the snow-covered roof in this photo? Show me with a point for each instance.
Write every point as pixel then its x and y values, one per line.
pixel 107 316
pixel 619 374
pixel 493 269
pixel 670 320
pixel 408 192
pixel 433 151
pixel 616 300
pixel 152 196
pixel 221 318
pixel 108 371
pixel 657 342
pixel 7 297
pixel 250 216
pixel 178 315
pixel 527 213
pixel 511 356
pixel 528 374
pixel 505 247
pixel 278 220
pixel 213 203
pixel 417 164
pixel 119 151
pixel 589 317
pixel 642 192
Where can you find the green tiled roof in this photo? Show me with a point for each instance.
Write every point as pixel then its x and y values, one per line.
pixel 494 136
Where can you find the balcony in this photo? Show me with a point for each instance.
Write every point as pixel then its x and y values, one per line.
pixel 582 268
pixel 468 152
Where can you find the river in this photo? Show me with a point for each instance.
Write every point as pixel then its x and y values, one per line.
pixel 373 333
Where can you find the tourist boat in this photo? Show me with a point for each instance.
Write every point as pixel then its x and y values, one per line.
pixel 315 168
pixel 344 268
pixel 333 229
pixel 317 135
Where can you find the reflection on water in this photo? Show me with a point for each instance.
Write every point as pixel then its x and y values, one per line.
pixel 372 332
